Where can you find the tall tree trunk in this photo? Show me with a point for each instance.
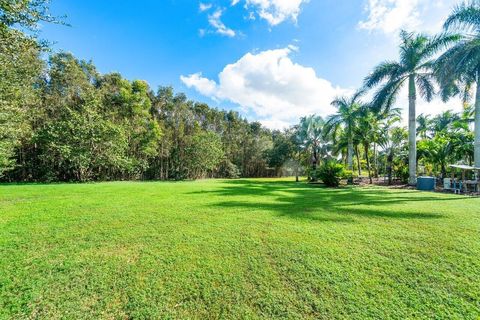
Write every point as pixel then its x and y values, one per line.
pixel 375 160
pixel 412 134
pixel 390 166
pixel 296 167
pixel 350 158
pixel 358 161
pixel 443 170
pixel 368 163
pixel 314 165
pixel 350 154
pixel 477 124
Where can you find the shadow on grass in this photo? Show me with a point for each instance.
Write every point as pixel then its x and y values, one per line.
pixel 313 202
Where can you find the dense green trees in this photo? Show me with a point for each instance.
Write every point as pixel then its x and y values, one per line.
pixel 20 70
pixel 83 126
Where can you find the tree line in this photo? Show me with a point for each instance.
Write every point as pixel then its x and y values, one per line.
pixel 62 120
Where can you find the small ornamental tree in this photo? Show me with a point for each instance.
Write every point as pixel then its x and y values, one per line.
pixel 331 173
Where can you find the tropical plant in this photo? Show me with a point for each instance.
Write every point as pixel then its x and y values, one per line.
pixel 444 121
pixel 423 125
pixel 414 68
pixel 345 118
pixel 459 68
pixel 311 138
pixel 330 173
pixel 365 132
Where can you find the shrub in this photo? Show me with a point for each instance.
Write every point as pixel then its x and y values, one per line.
pixel 229 170
pixel 349 175
pixel 331 173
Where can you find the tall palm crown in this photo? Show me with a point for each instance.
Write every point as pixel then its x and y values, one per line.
pixel 415 68
pixel 459 68
pixel 345 118
pixel 310 135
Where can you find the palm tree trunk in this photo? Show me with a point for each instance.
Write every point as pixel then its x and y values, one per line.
pixel 350 154
pixel 412 134
pixel 350 159
pixel 297 164
pixel 358 161
pixel 390 166
pixel 375 155
pixel 314 165
pixel 477 124
pixel 368 163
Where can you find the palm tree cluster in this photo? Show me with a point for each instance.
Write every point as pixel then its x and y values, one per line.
pixel 446 65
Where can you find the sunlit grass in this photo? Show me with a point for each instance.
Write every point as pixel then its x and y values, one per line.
pixel 236 249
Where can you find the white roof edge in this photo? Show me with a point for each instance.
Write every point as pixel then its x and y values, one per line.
pixel 464 167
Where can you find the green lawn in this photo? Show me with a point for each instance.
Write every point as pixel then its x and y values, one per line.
pixel 236 249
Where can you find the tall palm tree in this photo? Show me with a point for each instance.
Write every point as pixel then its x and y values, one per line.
pixel 310 135
pixel 414 68
pixel 459 67
pixel 345 118
pixel 365 132
pixel 392 142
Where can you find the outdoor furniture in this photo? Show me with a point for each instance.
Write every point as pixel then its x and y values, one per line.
pixel 457 187
pixel 464 185
pixel 447 184
pixel 471 185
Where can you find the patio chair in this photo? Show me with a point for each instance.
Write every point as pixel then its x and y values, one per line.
pixel 457 187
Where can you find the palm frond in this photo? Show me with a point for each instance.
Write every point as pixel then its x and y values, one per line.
pixel 464 16
pixel 426 87
pixel 385 70
pixel 385 97
pixel 439 42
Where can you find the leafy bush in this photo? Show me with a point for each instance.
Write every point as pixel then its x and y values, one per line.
pixel 331 173
pixel 349 175
pixel 403 173
pixel 229 170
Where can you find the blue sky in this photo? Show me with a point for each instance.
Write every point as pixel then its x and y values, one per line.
pixel 271 60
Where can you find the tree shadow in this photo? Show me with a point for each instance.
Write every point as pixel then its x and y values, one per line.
pixel 317 203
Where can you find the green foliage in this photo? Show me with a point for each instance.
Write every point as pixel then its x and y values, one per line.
pixel 458 69
pixel 331 173
pixel 75 124
pixel 415 68
pixel 204 153
pixel 229 170
pixel 282 151
pixel 20 69
pixel 26 13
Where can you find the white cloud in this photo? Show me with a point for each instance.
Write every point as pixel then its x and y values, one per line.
pixel 271 86
pixel 203 85
pixel 389 16
pixel 215 21
pixel 435 107
pixel 273 11
pixel 276 11
pixel 204 6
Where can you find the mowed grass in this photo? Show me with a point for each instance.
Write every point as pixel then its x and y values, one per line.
pixel 236 249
